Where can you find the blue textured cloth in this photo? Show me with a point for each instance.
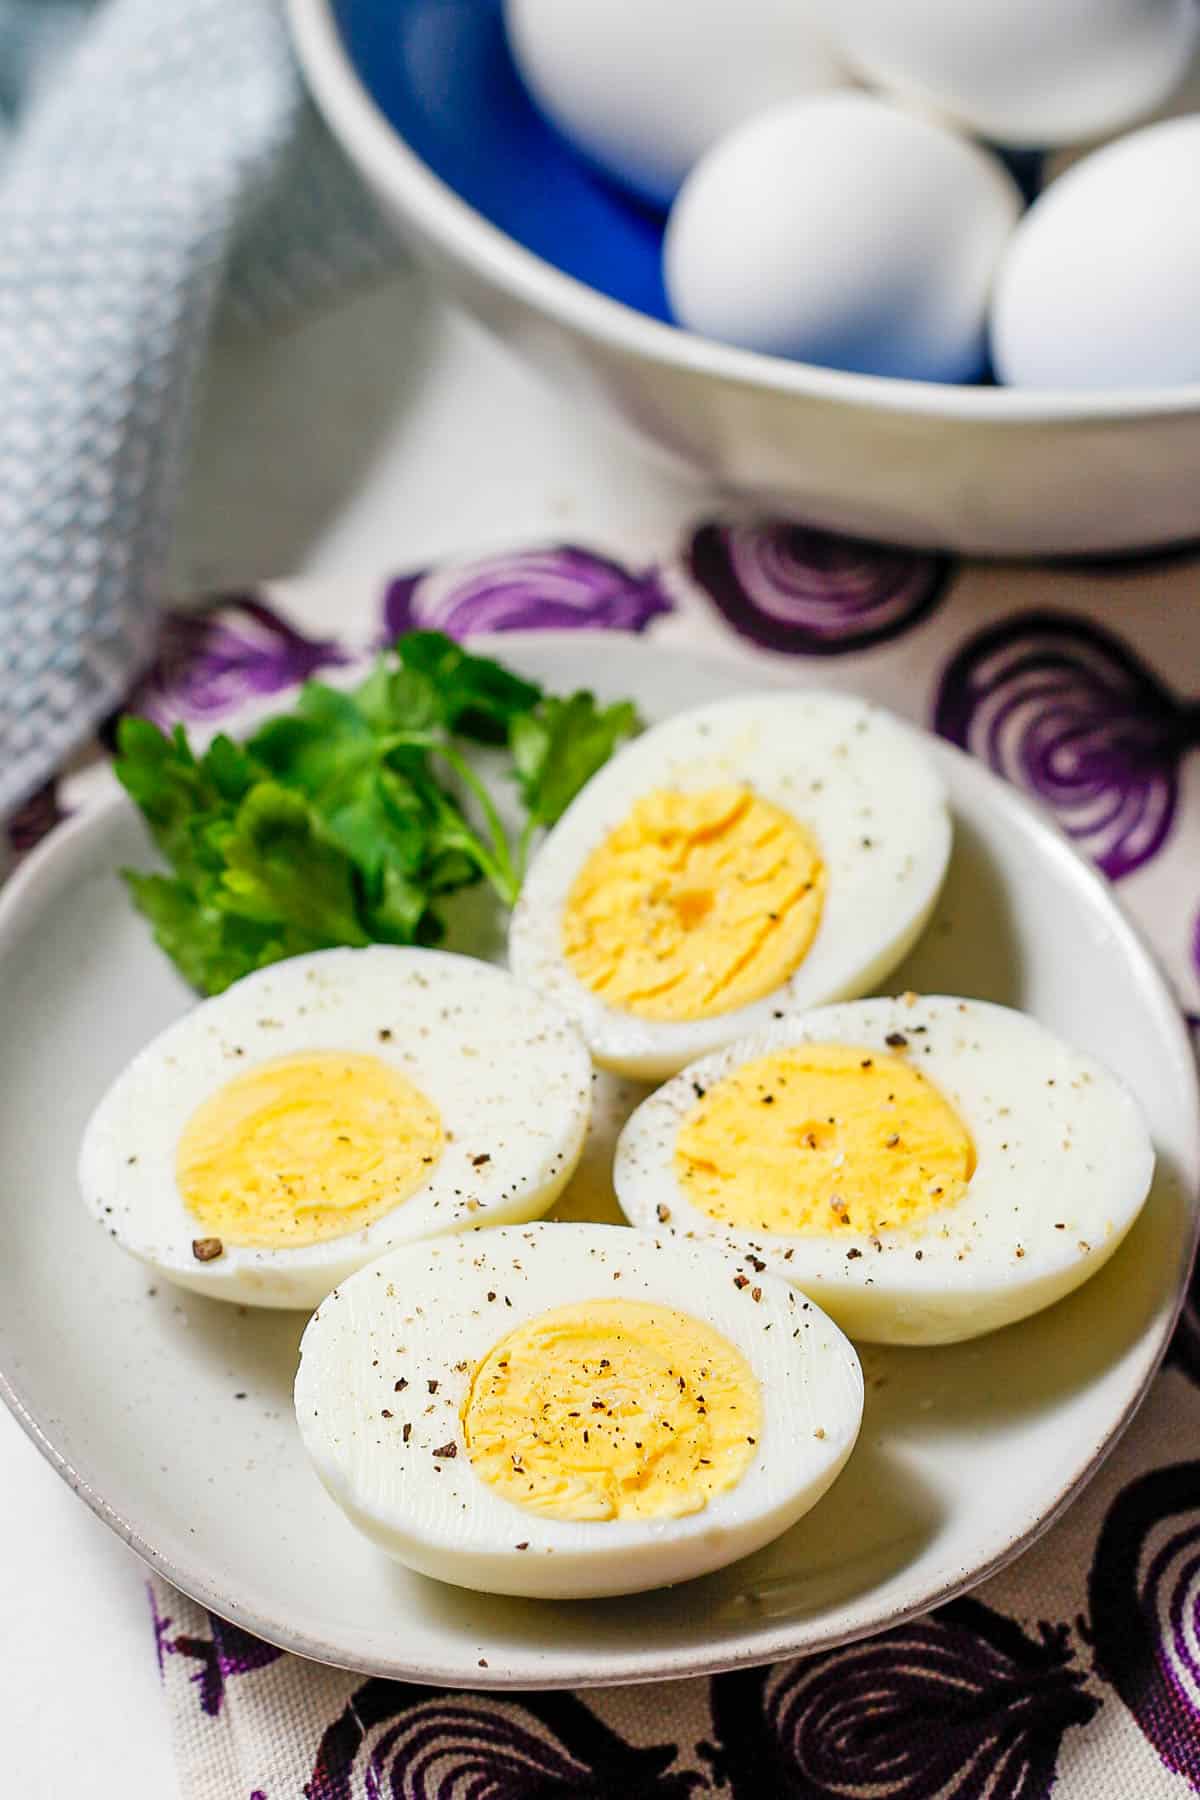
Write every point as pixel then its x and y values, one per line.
pixel 154 155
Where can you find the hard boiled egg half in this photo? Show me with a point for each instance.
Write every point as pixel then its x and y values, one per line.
pixel 928 1169
pixel 768 852
pixel 572 1410
pixel 328 1108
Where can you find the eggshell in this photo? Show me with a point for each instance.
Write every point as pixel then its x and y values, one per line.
pixel 1100 287
pixel 1183 100
pixel 644 87
pixel 1024 72
pixel 840 230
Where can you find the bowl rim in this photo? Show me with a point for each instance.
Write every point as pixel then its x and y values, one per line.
pixel 442 217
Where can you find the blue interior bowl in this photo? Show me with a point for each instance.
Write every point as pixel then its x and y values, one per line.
pixel 441 73
pixel 566 270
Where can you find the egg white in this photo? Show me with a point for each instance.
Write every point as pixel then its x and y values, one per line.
pixel 428 1313
pixel 506 1070
pixel 1064 1163
pixel 858 778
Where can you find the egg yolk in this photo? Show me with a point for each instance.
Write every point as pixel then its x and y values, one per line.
pixel 306 1148
pixel 612 1409
pixel 696 904
pixel 823 1138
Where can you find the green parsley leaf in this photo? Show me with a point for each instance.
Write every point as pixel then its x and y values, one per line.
pixel 344 819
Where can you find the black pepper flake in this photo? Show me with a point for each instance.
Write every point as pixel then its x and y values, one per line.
pixel 207 1249
pixel 491 1293
pixel 432 1386
pixel 756 1263
pixel 768 1099
pixel 447 1450
pixel 919 1254
pixel 896 1040
pixel 384 1413
pixel 741 1281
pixel 477 1162
pixel 756 1294
pixel 698 1090
pixel 523 1546
pixel 400 1385
pixel 385 1036
pixel 663 1213
pixel 852 1254
pixel 406 1433
pixel 867 1063
pixel 239 1396
pixel 483 1662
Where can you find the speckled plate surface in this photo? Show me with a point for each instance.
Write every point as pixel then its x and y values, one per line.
pixel 171 1415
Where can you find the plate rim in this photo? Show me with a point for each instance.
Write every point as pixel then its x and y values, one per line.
pixel 772 1642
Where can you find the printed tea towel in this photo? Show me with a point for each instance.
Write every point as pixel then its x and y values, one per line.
pixel 151 151
pixel 1074 1673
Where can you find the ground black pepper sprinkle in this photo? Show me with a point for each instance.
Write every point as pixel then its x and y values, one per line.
pixel 432 1386
pixel 741 1281
pixel 400 1385
pixel 406 1433
pixel 447 1450
pixel 477 1162
pixel 384 1413
pixel 896 1040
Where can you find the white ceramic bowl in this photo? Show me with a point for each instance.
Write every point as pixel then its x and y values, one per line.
pixel 981 470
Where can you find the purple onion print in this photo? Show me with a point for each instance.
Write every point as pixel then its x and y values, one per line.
pixel 1067 711
pixel 419 1743
pixel 1144 1598
pixel 229 1651
pixel 558 588
pixel 209 662
pixel 960 1705
pixel 1185 1345
pixel 34 821
pixel 808 592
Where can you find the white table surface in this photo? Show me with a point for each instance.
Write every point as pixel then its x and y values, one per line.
pixel 365 441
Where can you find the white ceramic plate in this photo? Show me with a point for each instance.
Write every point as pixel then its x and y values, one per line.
pixel 132 1389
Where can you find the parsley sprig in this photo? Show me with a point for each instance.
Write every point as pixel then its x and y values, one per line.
pixel 347 818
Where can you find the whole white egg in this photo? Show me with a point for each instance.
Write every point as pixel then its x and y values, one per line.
pixel 772 850
pixel 643 87
pixel 928 1168
pixel 1100 287
pixel 1023 72
pixel 1180 103
pixel 321 1111
pixel 843 231
pixel 572 1410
